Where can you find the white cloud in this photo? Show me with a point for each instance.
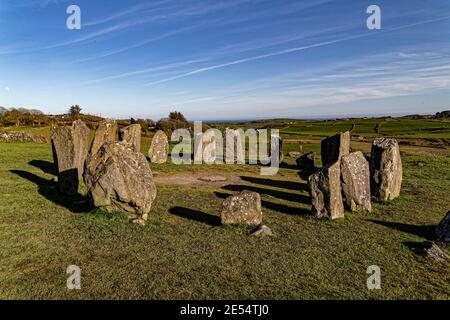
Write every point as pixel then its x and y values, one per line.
pixel 7 89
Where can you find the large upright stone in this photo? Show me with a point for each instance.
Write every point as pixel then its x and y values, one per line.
pixel 333 148
pixel 443 228
pixel 242 208
pixel 119 179
pixel 70 148
pixel 355 175
pixel 106 132
pixel 159 148
pixel 233 148
pixel 385 169
pixel 132 135
pixel 205 147
pixel 325 189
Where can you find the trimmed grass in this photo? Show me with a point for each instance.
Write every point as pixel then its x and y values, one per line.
pixel 183 252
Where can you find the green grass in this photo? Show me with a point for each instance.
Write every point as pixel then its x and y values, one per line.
pixel 183 253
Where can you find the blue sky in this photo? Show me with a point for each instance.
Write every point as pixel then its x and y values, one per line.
pixel 233 59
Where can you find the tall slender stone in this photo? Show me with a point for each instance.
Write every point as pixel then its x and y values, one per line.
pixel 132 135
pixel 333 148
pixel 355 175
pixel 385 169
pixel 70 148
pixel 106 132
pixel 325 190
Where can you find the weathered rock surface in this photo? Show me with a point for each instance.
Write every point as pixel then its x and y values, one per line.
pixel 106 132
pixel 262 231
pixel 385 169
pixel 306 161
pixel 325 190
pixel 295 154
pixel 443 228
pixel 119 179
pixel 432 251
pixel 242 208
pixel 70 148
pixel 333 148
pixel 132 135
pixel 159 148
pixel 355 175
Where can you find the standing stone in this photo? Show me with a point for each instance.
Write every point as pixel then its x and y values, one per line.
pixel 119 179
pixel 333 148
pixel 106 132
pixel 385 169
pixel 205 147
pixel 70 148
pixel 274 140
pixel 132 135
pixel 355 175
pixel 233 149
pixel 325 189
pixel 159 148
pixel 443 228
pixel 306 161
pixel 242 208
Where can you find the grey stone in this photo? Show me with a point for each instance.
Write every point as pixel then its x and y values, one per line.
pixel 159 148
pixel 70 148
pixel 132 135
pixel 262 230
pixel 295 154
pixel 242 208
pixel 333 148
pixel 105 132
pixel 119 179
pixel 213 178
pixel 385 169
pixel 355 175
pixel 325 190
pixel 432 251
pixel 443 228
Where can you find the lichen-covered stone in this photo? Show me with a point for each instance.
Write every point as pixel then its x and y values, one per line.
pixel 385 169
pixel 132 135
pixel 242 208
pixel 105 132
pixel 355 175
pixel 159 148
pixel 325 190
pixel 119 179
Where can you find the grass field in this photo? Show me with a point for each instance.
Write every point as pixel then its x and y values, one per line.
pixel 184 253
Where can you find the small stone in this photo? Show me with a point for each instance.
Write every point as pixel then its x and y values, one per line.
pixel 295 154
pixel 262 230
pixel 242 208
pixel 213 178
pixel 431 250
pixel 306 161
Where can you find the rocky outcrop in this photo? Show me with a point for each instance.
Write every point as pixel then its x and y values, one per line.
pixel 159 148
pixel 325 190
pixel 355 175
pixel 132 135
pixel 333 148
pixel 443 228
pixel 21 137
pixel 385 169
pixel 119 179
pixel 242 208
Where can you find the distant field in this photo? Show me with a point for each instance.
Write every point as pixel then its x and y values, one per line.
pixel 183 252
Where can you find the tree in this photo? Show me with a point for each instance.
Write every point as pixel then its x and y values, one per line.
pixel 75 111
